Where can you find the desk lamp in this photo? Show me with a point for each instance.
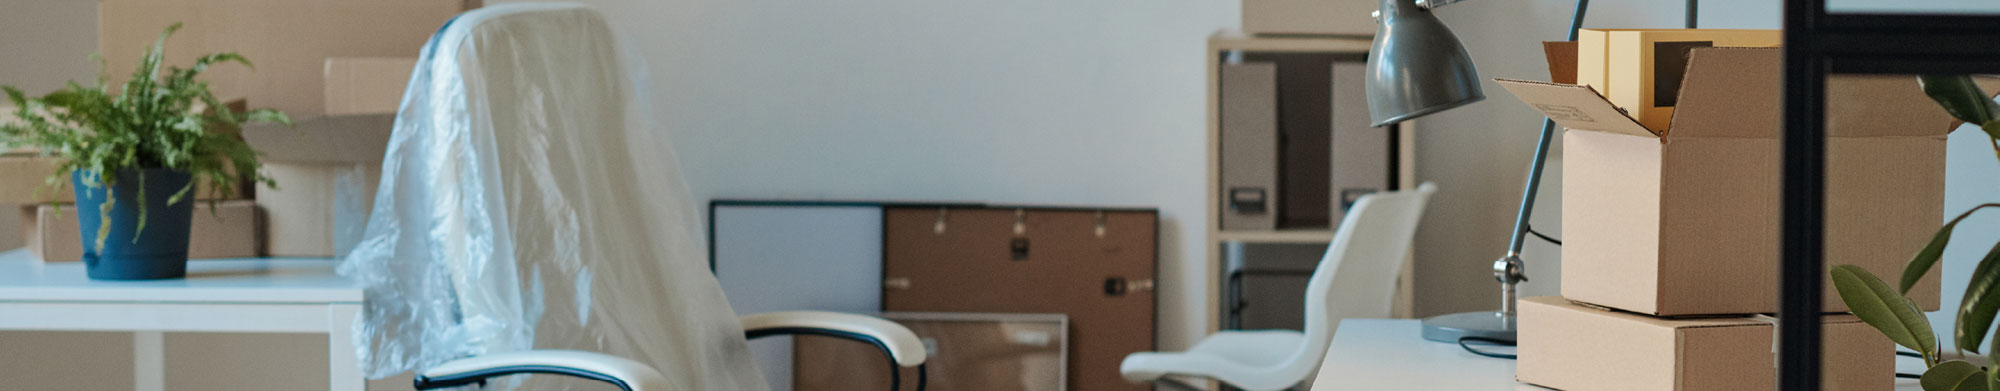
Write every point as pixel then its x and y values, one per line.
pixel 1416 67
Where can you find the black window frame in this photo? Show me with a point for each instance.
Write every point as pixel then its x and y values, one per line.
pixel 1818 44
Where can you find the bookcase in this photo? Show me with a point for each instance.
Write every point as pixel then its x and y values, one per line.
pixel 1229 45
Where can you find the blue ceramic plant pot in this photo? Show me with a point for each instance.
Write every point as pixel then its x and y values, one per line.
pixel 160 250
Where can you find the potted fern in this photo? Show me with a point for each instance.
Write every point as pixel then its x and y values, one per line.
pixel 133 157
pixel 1887 309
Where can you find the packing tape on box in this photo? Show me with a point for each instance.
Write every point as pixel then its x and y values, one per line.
pixel 1774 335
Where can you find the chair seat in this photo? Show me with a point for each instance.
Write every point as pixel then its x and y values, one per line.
pixel 1246 359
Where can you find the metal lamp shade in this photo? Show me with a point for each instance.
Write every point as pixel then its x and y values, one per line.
pixel 1416 66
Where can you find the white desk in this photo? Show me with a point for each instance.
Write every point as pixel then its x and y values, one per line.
pixel 1390 354
pixel 241 296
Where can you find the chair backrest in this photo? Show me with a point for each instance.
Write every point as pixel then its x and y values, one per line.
pixel 527 201
pixel 1358 276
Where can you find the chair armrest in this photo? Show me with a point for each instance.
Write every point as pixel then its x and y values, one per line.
pixel 899 342
pixel 626 374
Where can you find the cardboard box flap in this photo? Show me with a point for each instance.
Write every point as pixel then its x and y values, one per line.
pixel 1882 105
pixel 1675 322
pixel 1730 92
pixel 1562 61
pixel 1575 107
pixel 360 138
pixel 1560 302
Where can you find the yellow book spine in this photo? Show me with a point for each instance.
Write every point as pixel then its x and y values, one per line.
pixel 1625 71
pixel 1590 57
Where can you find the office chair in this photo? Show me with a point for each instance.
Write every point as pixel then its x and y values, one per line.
pixel 531 220
pixel 1356 279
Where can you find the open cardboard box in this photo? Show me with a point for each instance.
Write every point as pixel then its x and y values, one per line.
pixel 1685 221
pixel 1569 346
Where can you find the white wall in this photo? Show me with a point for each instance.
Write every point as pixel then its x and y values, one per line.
pixel 1016 101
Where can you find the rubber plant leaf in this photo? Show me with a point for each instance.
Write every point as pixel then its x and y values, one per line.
pixel 1960 97
pixel 1926 258
pixel 1977 308
pixel 1880 306
pixel 1950 375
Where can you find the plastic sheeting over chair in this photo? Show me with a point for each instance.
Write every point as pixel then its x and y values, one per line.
pixel 528 202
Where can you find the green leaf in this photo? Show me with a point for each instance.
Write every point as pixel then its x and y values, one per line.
pixel 1880 306
pixel 1926 258
pixel 1975 383
pixel 1980 303
pixel 1960 97
pixel 267 116
pixel 1949 375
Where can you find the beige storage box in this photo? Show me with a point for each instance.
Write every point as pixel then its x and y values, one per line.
pixel 1573 347
pixel 1685 221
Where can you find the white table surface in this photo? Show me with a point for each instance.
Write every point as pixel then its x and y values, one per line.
pixel 1391 354
pixel 24 278
pixel 244 295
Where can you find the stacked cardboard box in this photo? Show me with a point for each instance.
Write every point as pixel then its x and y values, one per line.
pixel 224 229
pixel 327 168
pixel 1671 244
pixel 52 236
pixel 338 68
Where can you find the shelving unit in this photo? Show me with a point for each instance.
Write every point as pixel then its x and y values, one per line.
pixel 1220 45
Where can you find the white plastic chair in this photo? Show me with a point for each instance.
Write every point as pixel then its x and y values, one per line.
pixel 1356 279
pixel 531 220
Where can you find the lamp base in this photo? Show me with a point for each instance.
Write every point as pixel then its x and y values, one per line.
pixel 1450 328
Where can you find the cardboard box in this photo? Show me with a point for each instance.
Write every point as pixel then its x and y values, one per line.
pixel 366 85
pixel 318 210
pixel 1574 347
pixel 327 167
pixel 23 179
pixel 228 230
pixel 1335 17
pixel 289 40
pixel 1640 70
pixel 326 171
pixel 24 173
pixel 1685 221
